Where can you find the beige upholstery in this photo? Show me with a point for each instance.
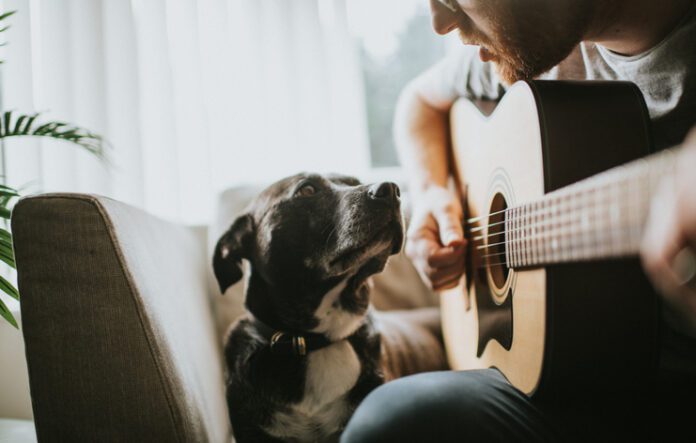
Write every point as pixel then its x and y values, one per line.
pixel 120 339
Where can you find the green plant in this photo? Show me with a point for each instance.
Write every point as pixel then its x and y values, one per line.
pixel 29 125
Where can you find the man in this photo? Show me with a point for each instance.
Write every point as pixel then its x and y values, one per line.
pixel 650 43
pixel 670 241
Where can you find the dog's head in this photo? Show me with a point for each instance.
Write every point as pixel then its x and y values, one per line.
pixel 312 241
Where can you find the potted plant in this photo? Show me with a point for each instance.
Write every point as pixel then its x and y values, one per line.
pixel 30 125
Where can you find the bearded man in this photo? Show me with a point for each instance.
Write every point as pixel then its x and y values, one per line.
pixel 650 43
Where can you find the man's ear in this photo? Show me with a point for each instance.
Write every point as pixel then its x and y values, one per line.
pixel 229 251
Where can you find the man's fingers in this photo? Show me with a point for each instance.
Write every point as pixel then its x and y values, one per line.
pixel 662 244
pixel 439 275
pixel 449 221
pixel 419 249
pixel 662 239
pixel 448 255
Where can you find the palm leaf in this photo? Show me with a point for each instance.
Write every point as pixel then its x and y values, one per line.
pixel 25 125
pixel 6 191
pixel 6 27
pixel 8 288
pixel 6 245
pixel 5 312
pixel 7 256
pixel 5 235
pixel 6 14
pixel 5 200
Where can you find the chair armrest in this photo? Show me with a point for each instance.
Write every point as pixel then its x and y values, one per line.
pixel 120 338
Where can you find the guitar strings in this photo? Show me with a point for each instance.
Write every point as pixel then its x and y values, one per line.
pixel 566 221
pixel 522 242
pixel 538 264
pixel 576 199
pixel 559 230
pixel 560 223
pixel 615 178
pixel 610 184
pixel 562 212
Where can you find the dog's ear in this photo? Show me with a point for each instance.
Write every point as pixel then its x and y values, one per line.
pixel 229 251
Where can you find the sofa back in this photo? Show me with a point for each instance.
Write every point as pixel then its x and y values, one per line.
pixel 120 339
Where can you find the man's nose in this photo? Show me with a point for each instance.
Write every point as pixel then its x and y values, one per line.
pixel 444 20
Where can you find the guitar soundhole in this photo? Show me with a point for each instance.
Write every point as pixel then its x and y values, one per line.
pixel 496 239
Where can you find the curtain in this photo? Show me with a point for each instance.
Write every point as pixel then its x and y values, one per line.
pixel 194 96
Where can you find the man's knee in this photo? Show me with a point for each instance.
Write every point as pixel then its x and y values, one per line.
pixel 433 406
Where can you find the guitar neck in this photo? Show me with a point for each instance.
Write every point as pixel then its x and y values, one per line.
pixel 600 217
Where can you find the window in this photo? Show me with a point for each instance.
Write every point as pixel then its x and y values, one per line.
pixel 396 43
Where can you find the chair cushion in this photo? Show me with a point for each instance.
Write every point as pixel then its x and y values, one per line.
pixel 120 339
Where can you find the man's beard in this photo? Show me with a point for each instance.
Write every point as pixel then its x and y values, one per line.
pixel 525 49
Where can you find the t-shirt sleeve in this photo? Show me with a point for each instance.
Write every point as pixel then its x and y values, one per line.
pixel 461 74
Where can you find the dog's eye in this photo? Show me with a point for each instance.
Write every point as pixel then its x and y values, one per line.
pixel 305 190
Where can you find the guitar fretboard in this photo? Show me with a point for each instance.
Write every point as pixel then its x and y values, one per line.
pixel 599 217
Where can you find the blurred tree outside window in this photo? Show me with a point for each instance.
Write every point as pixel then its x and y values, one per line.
pixel 395 45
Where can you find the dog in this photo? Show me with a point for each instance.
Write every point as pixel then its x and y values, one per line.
pixel 311 347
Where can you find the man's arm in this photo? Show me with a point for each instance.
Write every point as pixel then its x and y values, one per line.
pixel 668 250
pixel 435 241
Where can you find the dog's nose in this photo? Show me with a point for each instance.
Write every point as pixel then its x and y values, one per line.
pixel 385 191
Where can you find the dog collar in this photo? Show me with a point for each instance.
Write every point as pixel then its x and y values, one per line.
pixel 290 343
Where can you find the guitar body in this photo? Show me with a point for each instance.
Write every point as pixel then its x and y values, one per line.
pixel 564 329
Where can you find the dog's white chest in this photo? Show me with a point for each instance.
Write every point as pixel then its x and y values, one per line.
pixel 324 409
pixel 331 372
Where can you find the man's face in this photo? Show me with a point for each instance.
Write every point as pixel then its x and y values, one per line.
pixel 524 38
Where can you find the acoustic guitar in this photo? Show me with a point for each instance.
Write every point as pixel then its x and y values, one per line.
pixel 554 294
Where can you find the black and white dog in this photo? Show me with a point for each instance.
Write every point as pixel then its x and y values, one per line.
pixel 311 347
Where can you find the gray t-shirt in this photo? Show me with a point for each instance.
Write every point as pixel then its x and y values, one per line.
pixel 665 74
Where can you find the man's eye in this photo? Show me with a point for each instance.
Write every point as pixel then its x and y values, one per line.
pixel 306 190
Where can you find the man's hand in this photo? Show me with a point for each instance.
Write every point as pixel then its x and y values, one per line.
pixel 435 240
pixel 668 250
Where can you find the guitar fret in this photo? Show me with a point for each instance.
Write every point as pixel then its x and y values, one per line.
pixel 567 223
pixel 532 237
pixel 517 237
pixel 521 235
pixel 506 237
pixel 614 219
pixel 600 226
pixel 638 208
pixel 518 262
pixel 557 245
pixel 569 228
pixel 523 249
pixel 603 216
pixel 532 221
pixel 538 232
pixel 548 226
pixel 528 234
pixel 628 215
pixel 525 235
pixel 533 215
pixel 511 237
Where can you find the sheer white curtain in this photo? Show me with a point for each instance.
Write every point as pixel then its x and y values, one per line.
pixel 194 96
